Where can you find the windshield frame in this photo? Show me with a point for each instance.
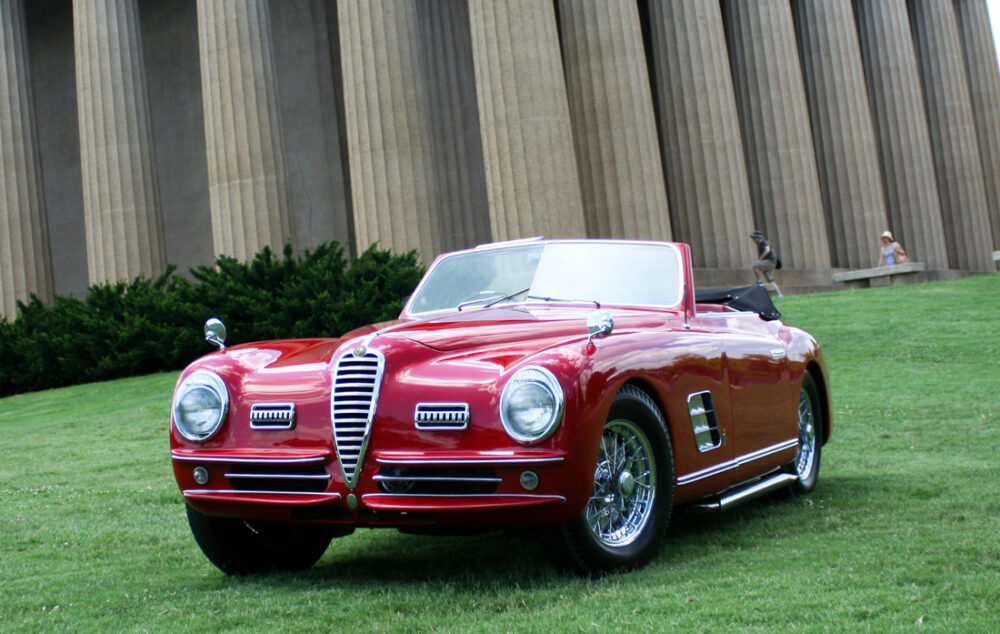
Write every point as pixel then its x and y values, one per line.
pixel 532 300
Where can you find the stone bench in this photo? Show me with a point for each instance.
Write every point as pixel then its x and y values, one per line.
pixel 996 256
pixel 875 273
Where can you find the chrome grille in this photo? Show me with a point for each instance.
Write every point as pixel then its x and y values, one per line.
pixel 272 416
pixel 441 416
pixel 356 384
pixel 438 480
pixel 278 478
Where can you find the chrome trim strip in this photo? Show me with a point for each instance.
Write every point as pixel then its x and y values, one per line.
pixel 268 461
pixel 384 478
pixel 417 462
pixel 444 496
pixel 778 353
pixel 735 463
pixel 333 496
pixel 280 476
pixel 734 313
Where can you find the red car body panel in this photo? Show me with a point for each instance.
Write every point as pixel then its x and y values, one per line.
pixel 753 369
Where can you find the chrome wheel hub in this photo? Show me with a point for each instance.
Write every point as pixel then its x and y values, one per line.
pixel 624 485
pixel 806 454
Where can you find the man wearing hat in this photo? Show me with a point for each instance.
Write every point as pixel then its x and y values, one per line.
pixel 767 260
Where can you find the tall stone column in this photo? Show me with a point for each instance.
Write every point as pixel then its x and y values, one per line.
pixel 410 117
pixel 531 174
pixel 984 89
pixel 953 135
pixel 453 114
pixel 781 160
pixel 896 101
pixel 25 260
pixel 120 194
pixel 846 154
pixel 246 165
pixel 388 139
pixel 706 175
pixel 614 129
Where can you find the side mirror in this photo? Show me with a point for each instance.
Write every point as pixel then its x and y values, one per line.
pixel 600 324
pixel 215 332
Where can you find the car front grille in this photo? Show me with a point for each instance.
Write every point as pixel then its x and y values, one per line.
pixel 437 480
pixel 353 402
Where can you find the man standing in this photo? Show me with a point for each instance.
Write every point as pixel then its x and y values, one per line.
pixel 767 260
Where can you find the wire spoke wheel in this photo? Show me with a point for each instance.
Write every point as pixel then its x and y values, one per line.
pixel 810 432
pixel 626 514
pixel 805 456
pixel 624 485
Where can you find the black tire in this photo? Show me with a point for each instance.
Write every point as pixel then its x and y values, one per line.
pixel 238 547
pixel 810 431
pixel 625 519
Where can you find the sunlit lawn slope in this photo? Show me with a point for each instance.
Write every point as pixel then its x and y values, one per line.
pixel 903 532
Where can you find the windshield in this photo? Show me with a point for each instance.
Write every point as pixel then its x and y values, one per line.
pixel 617 273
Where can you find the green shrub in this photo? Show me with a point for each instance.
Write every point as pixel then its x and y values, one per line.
pixel 129 328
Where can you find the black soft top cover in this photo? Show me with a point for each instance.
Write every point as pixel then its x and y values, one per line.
pixel 753 298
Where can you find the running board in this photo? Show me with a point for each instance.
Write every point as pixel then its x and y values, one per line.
pixel 755 490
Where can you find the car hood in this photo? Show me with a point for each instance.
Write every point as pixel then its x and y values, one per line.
pixel 512 325
pixel 512 331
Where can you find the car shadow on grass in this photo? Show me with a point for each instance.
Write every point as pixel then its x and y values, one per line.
pixel 781 513
pixel 376 557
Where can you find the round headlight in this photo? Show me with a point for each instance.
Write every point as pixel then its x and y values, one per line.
pixel 531 405
pixel 200 405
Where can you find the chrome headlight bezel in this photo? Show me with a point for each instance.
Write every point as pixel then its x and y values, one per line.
pixel 211 384
pixel 546 385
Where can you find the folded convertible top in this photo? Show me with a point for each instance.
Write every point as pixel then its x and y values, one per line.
pixel 753 298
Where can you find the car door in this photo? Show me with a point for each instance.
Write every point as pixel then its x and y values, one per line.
pixel 698 410
pixel 763 425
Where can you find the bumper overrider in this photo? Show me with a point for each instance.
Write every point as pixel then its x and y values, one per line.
pixel 401 462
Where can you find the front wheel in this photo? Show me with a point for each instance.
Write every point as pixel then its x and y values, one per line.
pixel 239 547
pixel 810 430
pixel 627 514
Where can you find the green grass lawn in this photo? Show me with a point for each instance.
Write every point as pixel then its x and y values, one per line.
pixel 902 534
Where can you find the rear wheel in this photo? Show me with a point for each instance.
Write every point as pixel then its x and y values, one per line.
pixel 239 547
pixel 629 508
pixel 810 430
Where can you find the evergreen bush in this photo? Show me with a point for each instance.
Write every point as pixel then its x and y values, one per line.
pixel 128 328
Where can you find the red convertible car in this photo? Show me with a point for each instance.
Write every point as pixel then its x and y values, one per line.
pixel 576 388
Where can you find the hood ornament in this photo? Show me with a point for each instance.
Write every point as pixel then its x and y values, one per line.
pixel 360 351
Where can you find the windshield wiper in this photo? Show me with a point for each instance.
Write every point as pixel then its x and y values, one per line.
pixel 506 297
pixel 562 299
pixel 492 299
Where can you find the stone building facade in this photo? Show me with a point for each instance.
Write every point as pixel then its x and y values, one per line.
pixel 138 133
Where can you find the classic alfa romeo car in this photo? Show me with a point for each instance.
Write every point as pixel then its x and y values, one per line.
pixel 577 389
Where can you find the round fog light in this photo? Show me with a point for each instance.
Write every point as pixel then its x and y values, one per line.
pixel 201 475
pixel 529 480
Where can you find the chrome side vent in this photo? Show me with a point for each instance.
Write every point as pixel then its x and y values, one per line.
pixel 704 422
pixel 356 383
pixel 441 416
pixel 272 416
